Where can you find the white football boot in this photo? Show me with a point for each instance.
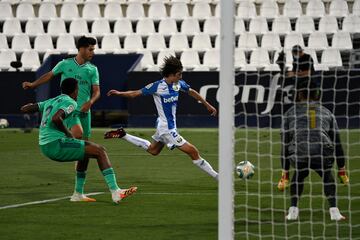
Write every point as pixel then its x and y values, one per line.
pixel 120 194
pixel 293 213
pixel 79 197
pixel 335 214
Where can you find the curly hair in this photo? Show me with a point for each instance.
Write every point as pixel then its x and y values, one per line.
pixel 171 65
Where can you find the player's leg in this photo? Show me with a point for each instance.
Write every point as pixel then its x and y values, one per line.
pixel 343 177
pixel 121 133
pixel 284 180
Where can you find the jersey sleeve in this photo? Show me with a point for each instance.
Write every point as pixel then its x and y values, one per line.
pixel 184 86
pixel 41 106
pixel 95 77
pixel 150 89
pixel 68 107
pixel 59 68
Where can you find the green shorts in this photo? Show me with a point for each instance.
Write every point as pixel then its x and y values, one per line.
pixel 64 150
pixel 82 118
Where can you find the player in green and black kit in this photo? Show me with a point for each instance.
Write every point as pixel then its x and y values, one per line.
pixel 57 142
pixel 87 76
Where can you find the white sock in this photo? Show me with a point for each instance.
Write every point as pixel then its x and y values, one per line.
pixel 206 167
pixel 140 142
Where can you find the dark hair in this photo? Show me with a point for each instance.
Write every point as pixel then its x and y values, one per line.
pixel 171 65
pixel 296 49
pixel 68 86
pixel 308 89
pixel 85 42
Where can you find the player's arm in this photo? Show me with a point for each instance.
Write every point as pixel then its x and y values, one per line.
pixel 30 108
pixel 94 97
pixel 193 93
pixel 58 120
pixel 43 79
pixel 335 136
pixel 126 94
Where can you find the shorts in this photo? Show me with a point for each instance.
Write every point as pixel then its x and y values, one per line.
pixel 83 119
pixel 171 139
pixel 64 150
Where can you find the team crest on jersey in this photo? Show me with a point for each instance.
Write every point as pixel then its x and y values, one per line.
pixel 149 85
pixel 176 87
pixel 70 109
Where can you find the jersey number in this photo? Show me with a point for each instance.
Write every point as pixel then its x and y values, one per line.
pixel 46 115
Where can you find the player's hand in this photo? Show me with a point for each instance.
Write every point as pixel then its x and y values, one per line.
pixel 291 74
pixel 212 110
pixel 86 107
pixel 113 93
pixel 27 85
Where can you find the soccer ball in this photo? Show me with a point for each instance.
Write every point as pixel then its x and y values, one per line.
pixel 245 170
pixel 4 123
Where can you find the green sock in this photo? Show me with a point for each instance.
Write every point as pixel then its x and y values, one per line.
pixel 80 182
pixel 110 179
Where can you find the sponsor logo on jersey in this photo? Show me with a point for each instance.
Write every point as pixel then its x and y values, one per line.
pixel 171 99
pixel 70 109
pixel 149 85
pixel 176 87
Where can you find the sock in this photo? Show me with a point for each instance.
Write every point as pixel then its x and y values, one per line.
pixel 110 179
pixel 206 167
pixel 140 142
pixel 80 182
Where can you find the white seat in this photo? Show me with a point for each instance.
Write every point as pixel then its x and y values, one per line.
pixel 56 27
pixel 293 39
pixel 247 41
pixel 30 60
pixel 217 42
pixel 190 59
pixel 6 57
pixel 258 25
pixel 157 11
pixel 161 56
pixel 305 25
pixel 281 25
pixel 212 26
pixel 135 11
pixel 259 58
pixel 315 9
pixel 288 59
pixel 123 27
pixel 20 42
pixel 110 43
pixel 212 59
pixel 137 1
pixel 155 43
pixel 328 24
pixel 239 59
pixel 116 1
pixel 78 27
pixel 246 10
pixel 90 11
pixel 5 11
pixel 269 9
pixel 65 43
pixel 217 10
pixel 3 42
pixel 12 26
pixel 43 43
pixel 179 10
pixel 338 8
pixel 147 60
pixel 239 26
pixel 201 10
pixel 34 26
pixel 95 1
pixel 356 8
pixel 113 11
pixel 318 41
pixel 331 58
pixel 292 9
pixel 47 11
pixel 190 26
pixel 25 11
pixel 168 27
pixel 100 27
pixel 351 24
pixel 342 41
pixel 201 42
pixel 205 1
pixel 133 43
pixel 179 42
pixel 74 1
pixel 181 1
pixel 69 11
pixel 145 26
pixel 271 41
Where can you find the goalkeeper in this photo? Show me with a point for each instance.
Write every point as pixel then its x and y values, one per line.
pixel 311 140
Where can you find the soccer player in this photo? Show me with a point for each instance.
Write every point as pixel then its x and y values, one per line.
pixel 311 140
pixel 165 93
pixel 87 75
pixel 58 143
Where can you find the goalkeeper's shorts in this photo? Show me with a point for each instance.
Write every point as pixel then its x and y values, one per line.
pixel 64 150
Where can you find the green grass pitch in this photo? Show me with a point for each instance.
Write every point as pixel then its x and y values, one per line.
pixel 175 199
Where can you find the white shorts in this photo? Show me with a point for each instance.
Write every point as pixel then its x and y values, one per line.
pixel 171 139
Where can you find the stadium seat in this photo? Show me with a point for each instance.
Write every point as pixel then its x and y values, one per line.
pixel 34 26
pixel 179 10
pixel 90 11
pixel 25 11
pixel 293 39
pixel 247 41
pixel 246 10
pixel 47 11
pixel 305 25
pixel 30 60
pixel 212 59
pixel 20 42
pixel 100 27
pixel 168 27
pixel 258 25
pixel 331 58
pixel 78 27
pixel 281 25
pixel 157 11
pixel 133 43
pixel 65 43
pixel 239 59
pixel 162 1
pixel 190 59
pixel 269 9
pixel 113 11
pixel 155 43
pixel 56 27
pixel 338 8
pixel 147 60
pixel 190 26
pixel 204 1
pixel 201 42
pixel 137 1
pixel 181 1
pixel 6 57
pixel 217 42
pixel 315 9
pixel 201 10
pixel 212 26
pixel 259 58
pixel 271 41
pixel 288 59
pixel 135 11
pixel 163 54
pixel 356 8
pixel 351 24
pixel 239 26
pixel 342 41
pixel 74 1
pixel 43 43
pixel 12 26
pixel 5 11
pixel 328 24
pixel 292 9
pixel 110 43
pixel 318 41
pixel 145 26
pixel 123 27
pixel 69 11
pixel 217 11
pixel 3 42
pixel 179 42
